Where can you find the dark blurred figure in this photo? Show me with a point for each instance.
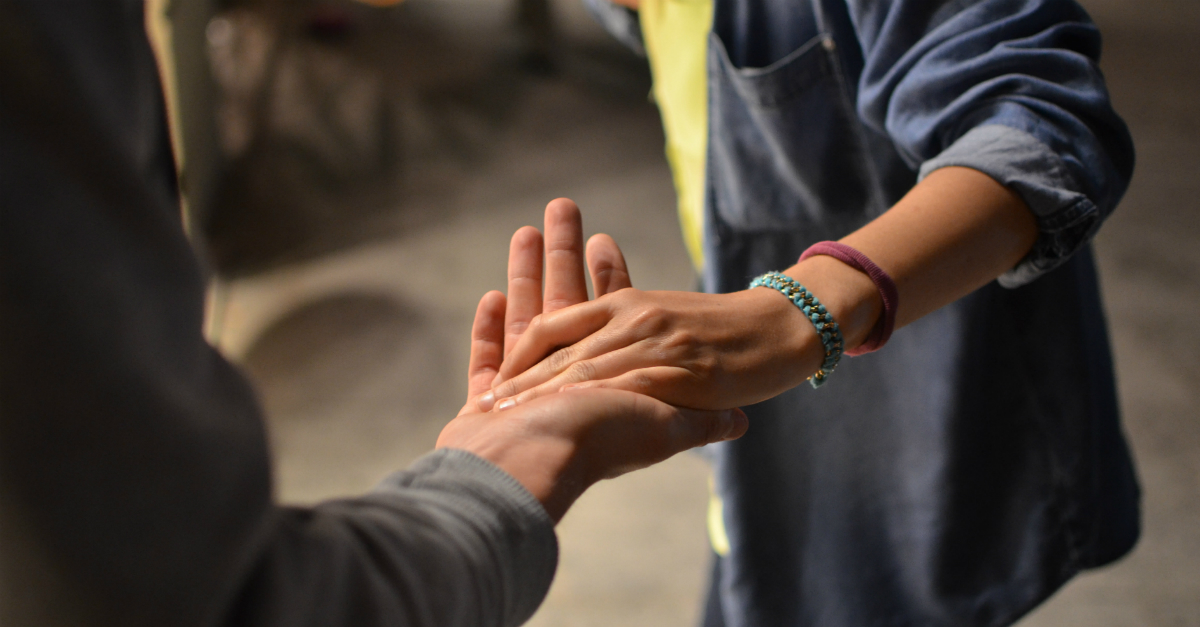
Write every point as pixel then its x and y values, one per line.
pixel 134 473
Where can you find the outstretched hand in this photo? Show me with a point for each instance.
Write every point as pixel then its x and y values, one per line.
pixel 957 230
pixel 706 351
pixel 703 351
pixel 559 445
pixel 691 350
pixel 564 286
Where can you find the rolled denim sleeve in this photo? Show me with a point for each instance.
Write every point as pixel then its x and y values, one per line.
pixel 1007 87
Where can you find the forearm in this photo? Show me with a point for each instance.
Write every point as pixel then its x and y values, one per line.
pixel 453 540
pixel 954 232
pixel 951 234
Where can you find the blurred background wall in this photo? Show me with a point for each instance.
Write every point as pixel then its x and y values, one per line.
pixel 353 174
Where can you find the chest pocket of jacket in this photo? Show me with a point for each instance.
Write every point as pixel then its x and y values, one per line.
pixel 785 150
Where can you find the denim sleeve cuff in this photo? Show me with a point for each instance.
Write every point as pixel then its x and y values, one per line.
pixel 1066 218
pixel 620 22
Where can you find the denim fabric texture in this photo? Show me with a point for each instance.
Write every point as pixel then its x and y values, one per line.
pixel 966 471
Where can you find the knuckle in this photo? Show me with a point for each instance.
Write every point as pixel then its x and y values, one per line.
pixel 553 304
pixel 506 389
pixel 561 358
pixel 565 247
pixel 582 371
pixel 674 347
pixel 643 382
pixel 677 343
pixel 649 319
pixel 602 274
pixel 696 428
pixel 713 429
pixel 626 298
pixel 661 355
pixel 703 365
pixel 650 311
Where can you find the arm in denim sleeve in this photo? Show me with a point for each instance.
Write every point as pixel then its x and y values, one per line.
pixel 620 22
pixel 1010 88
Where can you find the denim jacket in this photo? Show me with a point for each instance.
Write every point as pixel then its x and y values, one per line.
pixel 963 473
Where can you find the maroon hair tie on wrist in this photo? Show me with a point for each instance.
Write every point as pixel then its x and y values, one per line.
pixel 887 290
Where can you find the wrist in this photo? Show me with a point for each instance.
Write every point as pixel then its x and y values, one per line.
pixel 848 294
pixel 542 465
pixel 793 349
pixel 547 466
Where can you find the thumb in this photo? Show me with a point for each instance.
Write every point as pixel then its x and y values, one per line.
pixel 607 265
pixel 695 427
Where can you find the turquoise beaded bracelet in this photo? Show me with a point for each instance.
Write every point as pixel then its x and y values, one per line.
pixel 831 335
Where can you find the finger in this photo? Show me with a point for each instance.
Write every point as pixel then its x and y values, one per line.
pixel 590 361
pixel 565 284
pixel 649 431
pixel 524 284
pixel 487 343
pixel 669 384
pixel 695 427
pixel 550 331
pixel 607 266
pixel 525 362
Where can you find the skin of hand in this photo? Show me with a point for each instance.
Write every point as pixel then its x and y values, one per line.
pixel 564 259
pixel 559 445
pixel 951 234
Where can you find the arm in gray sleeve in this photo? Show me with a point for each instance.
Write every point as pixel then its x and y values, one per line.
pixel 135 485
pixel 1010 88
pixel 451 541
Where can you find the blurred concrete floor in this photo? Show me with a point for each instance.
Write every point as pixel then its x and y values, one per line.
pixel 356 335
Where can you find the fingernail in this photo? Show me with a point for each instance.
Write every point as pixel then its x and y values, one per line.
pixel 738 423
pixel 486 400
pixel 505 404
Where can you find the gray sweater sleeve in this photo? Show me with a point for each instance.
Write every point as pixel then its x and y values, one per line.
pixel 451 541
pixel 135 482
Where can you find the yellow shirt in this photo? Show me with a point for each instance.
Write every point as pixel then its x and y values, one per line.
pixel 676 36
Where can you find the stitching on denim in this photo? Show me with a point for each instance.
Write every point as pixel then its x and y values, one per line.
pixel 1079 211
pixel 761 87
